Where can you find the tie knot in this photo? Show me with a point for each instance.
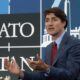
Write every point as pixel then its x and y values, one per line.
pixel 54 44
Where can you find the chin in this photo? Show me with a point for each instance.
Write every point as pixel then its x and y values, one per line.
pixel 54 34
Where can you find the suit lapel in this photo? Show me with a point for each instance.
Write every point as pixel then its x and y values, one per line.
pixel 62 47
pixel 48 54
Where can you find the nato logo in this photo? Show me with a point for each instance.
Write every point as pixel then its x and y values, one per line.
pixel 19 33
pixel 19 23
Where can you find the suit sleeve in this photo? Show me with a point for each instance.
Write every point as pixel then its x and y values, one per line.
pixel 72 69
pixel 34 76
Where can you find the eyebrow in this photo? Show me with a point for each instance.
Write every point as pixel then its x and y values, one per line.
pixel 51 17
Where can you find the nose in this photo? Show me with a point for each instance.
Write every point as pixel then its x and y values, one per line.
pixel 50 22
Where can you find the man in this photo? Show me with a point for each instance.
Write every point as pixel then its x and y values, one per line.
pixel 66 64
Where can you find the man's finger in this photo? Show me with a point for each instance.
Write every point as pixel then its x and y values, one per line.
pixel 28 60
pixel 6 63
pixel 38 56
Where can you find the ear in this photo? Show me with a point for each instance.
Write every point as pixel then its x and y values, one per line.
pixel 64 23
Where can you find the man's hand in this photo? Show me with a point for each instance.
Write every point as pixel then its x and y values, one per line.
pixel 38 65
pixel 12 67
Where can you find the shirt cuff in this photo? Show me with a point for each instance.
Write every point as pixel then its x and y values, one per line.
pixel 46 74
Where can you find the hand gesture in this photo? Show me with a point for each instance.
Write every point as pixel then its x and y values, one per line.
pixel 12 66
pixel 37 65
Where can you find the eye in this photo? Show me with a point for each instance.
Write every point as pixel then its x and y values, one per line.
pixel 46 20
pixel 54 19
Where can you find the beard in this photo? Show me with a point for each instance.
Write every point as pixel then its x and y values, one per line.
pixel 55 34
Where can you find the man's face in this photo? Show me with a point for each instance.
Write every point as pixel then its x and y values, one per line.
pixel 54 25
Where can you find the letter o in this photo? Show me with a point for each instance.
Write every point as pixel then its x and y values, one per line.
pixel 32 29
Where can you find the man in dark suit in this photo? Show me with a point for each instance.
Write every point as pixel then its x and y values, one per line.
pixel 66 64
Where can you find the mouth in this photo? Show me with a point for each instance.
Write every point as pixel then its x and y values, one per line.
pixel 50 28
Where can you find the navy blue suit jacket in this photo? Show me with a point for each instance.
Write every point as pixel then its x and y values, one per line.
pixel 66 65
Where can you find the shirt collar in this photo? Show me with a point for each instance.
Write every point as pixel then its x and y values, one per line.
pixel 58 40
